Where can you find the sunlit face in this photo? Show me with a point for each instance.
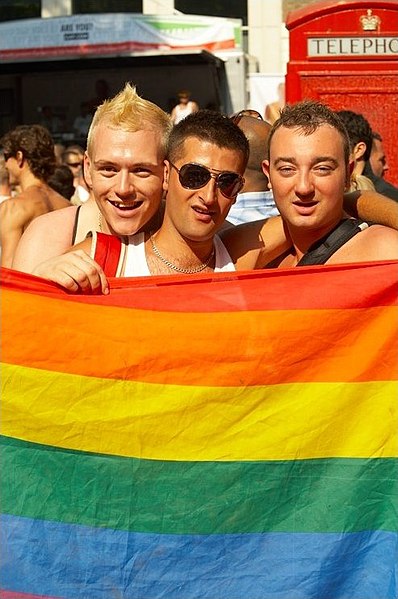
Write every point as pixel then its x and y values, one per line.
pixel 378 160
pixel 197 214
pixel 308 176
pixel 125 172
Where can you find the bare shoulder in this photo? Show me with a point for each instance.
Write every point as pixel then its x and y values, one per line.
pixel 65 216
pixel 374 243
pixel 13 207
pixel 255 244
pixel 244 243
pixel 47 236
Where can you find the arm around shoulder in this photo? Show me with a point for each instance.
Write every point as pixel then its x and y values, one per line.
pixel 253 245
pixel 372 206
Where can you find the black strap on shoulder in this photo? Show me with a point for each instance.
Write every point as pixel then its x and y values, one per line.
pixel 74 232
pixel 322 249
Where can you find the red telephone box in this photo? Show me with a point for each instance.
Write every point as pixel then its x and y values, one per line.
pixel 345 54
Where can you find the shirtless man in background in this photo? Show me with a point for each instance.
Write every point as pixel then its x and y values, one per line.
pixel 30 160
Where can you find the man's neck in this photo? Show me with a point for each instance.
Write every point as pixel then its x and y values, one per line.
pixel 28 179
pixel 358 168
pixel 167 245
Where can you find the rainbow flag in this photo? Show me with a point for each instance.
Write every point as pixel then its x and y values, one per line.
pixel 229 436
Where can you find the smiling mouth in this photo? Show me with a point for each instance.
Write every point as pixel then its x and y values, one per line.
pixel 125 207
pixel 202 211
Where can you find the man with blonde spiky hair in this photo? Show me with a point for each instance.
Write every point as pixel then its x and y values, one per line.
pixel 123 166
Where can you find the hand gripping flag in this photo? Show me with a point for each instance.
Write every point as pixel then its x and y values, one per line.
pixel 229 436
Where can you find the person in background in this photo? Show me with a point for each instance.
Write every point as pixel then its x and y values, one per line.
pixel 102 93
pixel 50 121
pixel 255 200
pixel 273 110
pixel 62 181
pixel 5 187
pixel 184 107
pixel 360 136
pixel 73 158
pixel 59 150
pixel 30 161
pixel 377 166
pixel 82 123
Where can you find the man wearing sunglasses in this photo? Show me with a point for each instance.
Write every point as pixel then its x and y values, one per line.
pixel 203 173
pixel 206 158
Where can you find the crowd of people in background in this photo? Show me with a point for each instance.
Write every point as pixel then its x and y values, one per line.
pixel 29 189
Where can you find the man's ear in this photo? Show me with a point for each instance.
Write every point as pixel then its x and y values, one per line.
pixel 349 170
pixel 20 158
pixel 87 170
pixel 265 169
pixel 359 150
pixel 166 175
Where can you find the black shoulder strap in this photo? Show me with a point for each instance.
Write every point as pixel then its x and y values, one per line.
pixel 322 249
pixel 75 225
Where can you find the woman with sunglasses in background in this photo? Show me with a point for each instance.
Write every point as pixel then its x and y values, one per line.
pixel 73 159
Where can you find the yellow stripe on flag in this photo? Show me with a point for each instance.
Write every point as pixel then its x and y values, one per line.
pixel 153 421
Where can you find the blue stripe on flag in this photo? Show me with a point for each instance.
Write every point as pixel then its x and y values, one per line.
pixel 77 562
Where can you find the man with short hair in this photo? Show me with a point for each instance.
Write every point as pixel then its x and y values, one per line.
pixel 30 161
pixel 255 201
pixel 376 167
pixel 360 136
pixel 309 170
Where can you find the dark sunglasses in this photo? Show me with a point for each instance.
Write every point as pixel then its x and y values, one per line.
pixel 74 164
pixel 195 176
pixel 235 118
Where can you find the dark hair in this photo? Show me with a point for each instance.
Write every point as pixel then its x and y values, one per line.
pixel 210 126
pixel 62 181
pixel 37 146
pixel 308 116
pixel 358 130
pixel 377 136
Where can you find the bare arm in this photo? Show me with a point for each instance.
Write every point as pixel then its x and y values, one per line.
pixel 75 270
pixel 252 245
pixel 13 218
pixel 47 236
pixel 372 206
pixel 372 244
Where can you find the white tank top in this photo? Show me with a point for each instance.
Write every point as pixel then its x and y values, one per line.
pixel 136 264
pixel 182 111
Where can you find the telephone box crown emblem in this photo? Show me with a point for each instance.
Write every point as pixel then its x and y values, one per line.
pixel 369 21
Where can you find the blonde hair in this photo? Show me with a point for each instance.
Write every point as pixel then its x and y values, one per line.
pixel 128 111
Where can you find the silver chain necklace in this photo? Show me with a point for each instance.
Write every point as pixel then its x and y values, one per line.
pixel 185 271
